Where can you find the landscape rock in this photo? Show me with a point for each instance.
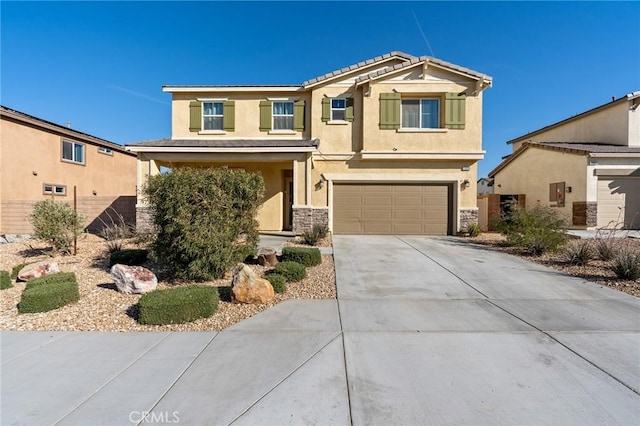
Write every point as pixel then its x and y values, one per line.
pixel 247 287
pixel 39 269
pixel 267 256
pixel 133 279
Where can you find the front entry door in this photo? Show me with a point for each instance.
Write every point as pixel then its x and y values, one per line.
pixel 287 208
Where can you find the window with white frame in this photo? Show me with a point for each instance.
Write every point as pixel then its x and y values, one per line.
pixel 73 152
pixel 421 113
pixel 282 115
pixel 338 109
pixel 106 151
pixel 48 189
pixel 212 115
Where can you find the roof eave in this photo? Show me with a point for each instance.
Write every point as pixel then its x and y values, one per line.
pixel 247 150
pixel 226 89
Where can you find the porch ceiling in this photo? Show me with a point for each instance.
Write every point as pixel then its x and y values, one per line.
pixel 226 145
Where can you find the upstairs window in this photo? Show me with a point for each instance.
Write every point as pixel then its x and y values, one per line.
pixel 106 151
pixel 421 113
pixel 212 116
pixel 282 115
pixel 73 152
pixel 338 109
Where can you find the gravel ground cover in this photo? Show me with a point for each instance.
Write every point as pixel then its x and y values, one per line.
pixel 103 308
pixel 597 271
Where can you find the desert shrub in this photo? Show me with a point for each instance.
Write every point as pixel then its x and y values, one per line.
pixel 205 219
pixel 315 234
pixel 278 282
pixel 537 230
pixel 578 252
pixel 114 230
pixel 177 305
pixel 43 298
pixel 308 256
pixel 128 257
pixel 57 223
pixel 51 279
pixel 16 270
pixel 605 248
pixel 5 280
pixel 292 271
pixel 473 230
pixel 626 264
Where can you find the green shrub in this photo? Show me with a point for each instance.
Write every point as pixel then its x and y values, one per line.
pixel 5 280
pixel 278 282
pixel 473 230
pixel 308 256
pixel 53 278
pixel 128 257
pixel 578 252
pixel 16 270
pixel 315 234
pixel 43 298
pixel 292 271
pixel 57 223
pixel 205 219
pixel 177 305
pixel 537 230
pixel 626 265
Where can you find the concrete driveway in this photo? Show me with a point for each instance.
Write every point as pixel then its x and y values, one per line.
pixel 424 331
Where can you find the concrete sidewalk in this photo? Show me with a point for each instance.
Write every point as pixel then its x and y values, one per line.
pixel 424 331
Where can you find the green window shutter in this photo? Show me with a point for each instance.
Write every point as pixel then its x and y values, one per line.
pixel 195 116
pixel 326 109
pixel 389 111
pixel 229 115
pixel 298 116
pixel 349 111
pixel 265 116
pixel 454 108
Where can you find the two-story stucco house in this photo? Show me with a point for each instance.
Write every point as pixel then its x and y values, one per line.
pixel 44 160
pixel 386 146
pixel 586 166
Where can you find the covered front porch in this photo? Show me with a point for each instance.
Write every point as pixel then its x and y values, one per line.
pixel 285 168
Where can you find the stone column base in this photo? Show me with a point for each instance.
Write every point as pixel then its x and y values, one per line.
pixel 144 222
pixel 304 218
pixel 585 213
pixel 467 217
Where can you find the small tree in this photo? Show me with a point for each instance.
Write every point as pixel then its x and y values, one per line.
pixel 57 223
pixel 537 230
pixel 206 219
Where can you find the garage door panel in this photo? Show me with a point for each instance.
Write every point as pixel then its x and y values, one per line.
pixel 392 209
pixel 619 202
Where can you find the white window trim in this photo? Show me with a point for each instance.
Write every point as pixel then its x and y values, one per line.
pixel 338 122
pixel 273 118
pixel 421 129
pixel 213 132
pixel 73 151
pixel 331 109
pixel 53 189
pixel 104 150
pixel 202 116
pixel 282 132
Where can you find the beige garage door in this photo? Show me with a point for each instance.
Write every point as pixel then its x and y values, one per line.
pixel 619 202
pixel 392 209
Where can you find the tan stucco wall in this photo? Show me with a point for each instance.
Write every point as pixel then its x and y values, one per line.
pixel 30 157
pixel 247 115
pixel 535 169
pixel 337 137
pixel 609 125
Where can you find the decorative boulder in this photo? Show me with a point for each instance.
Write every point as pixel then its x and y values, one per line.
pixel 267 256
pixel 249 288
pixel 133 279
pixel 39 269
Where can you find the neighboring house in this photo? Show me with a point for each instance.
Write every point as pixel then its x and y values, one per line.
pixel 485 186
pixel 587 166
pixel 385 146
pixel 42 160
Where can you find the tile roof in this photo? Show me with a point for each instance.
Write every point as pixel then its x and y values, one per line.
pixel 69 132
pixel 228 143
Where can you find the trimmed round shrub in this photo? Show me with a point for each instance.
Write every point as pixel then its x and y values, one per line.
pixel 308 256
pixel 292 271
pixel 278 282
pixel 43 298
pixel 128 257
pixel 53 278
pixel 177 305
pixel 5 280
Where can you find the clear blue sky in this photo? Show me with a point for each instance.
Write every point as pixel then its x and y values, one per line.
pixel 101 65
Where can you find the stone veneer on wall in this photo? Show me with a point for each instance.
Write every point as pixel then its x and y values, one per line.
pixel 585 213
pixel 467 217
pixel 143 219
pixel 305 217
